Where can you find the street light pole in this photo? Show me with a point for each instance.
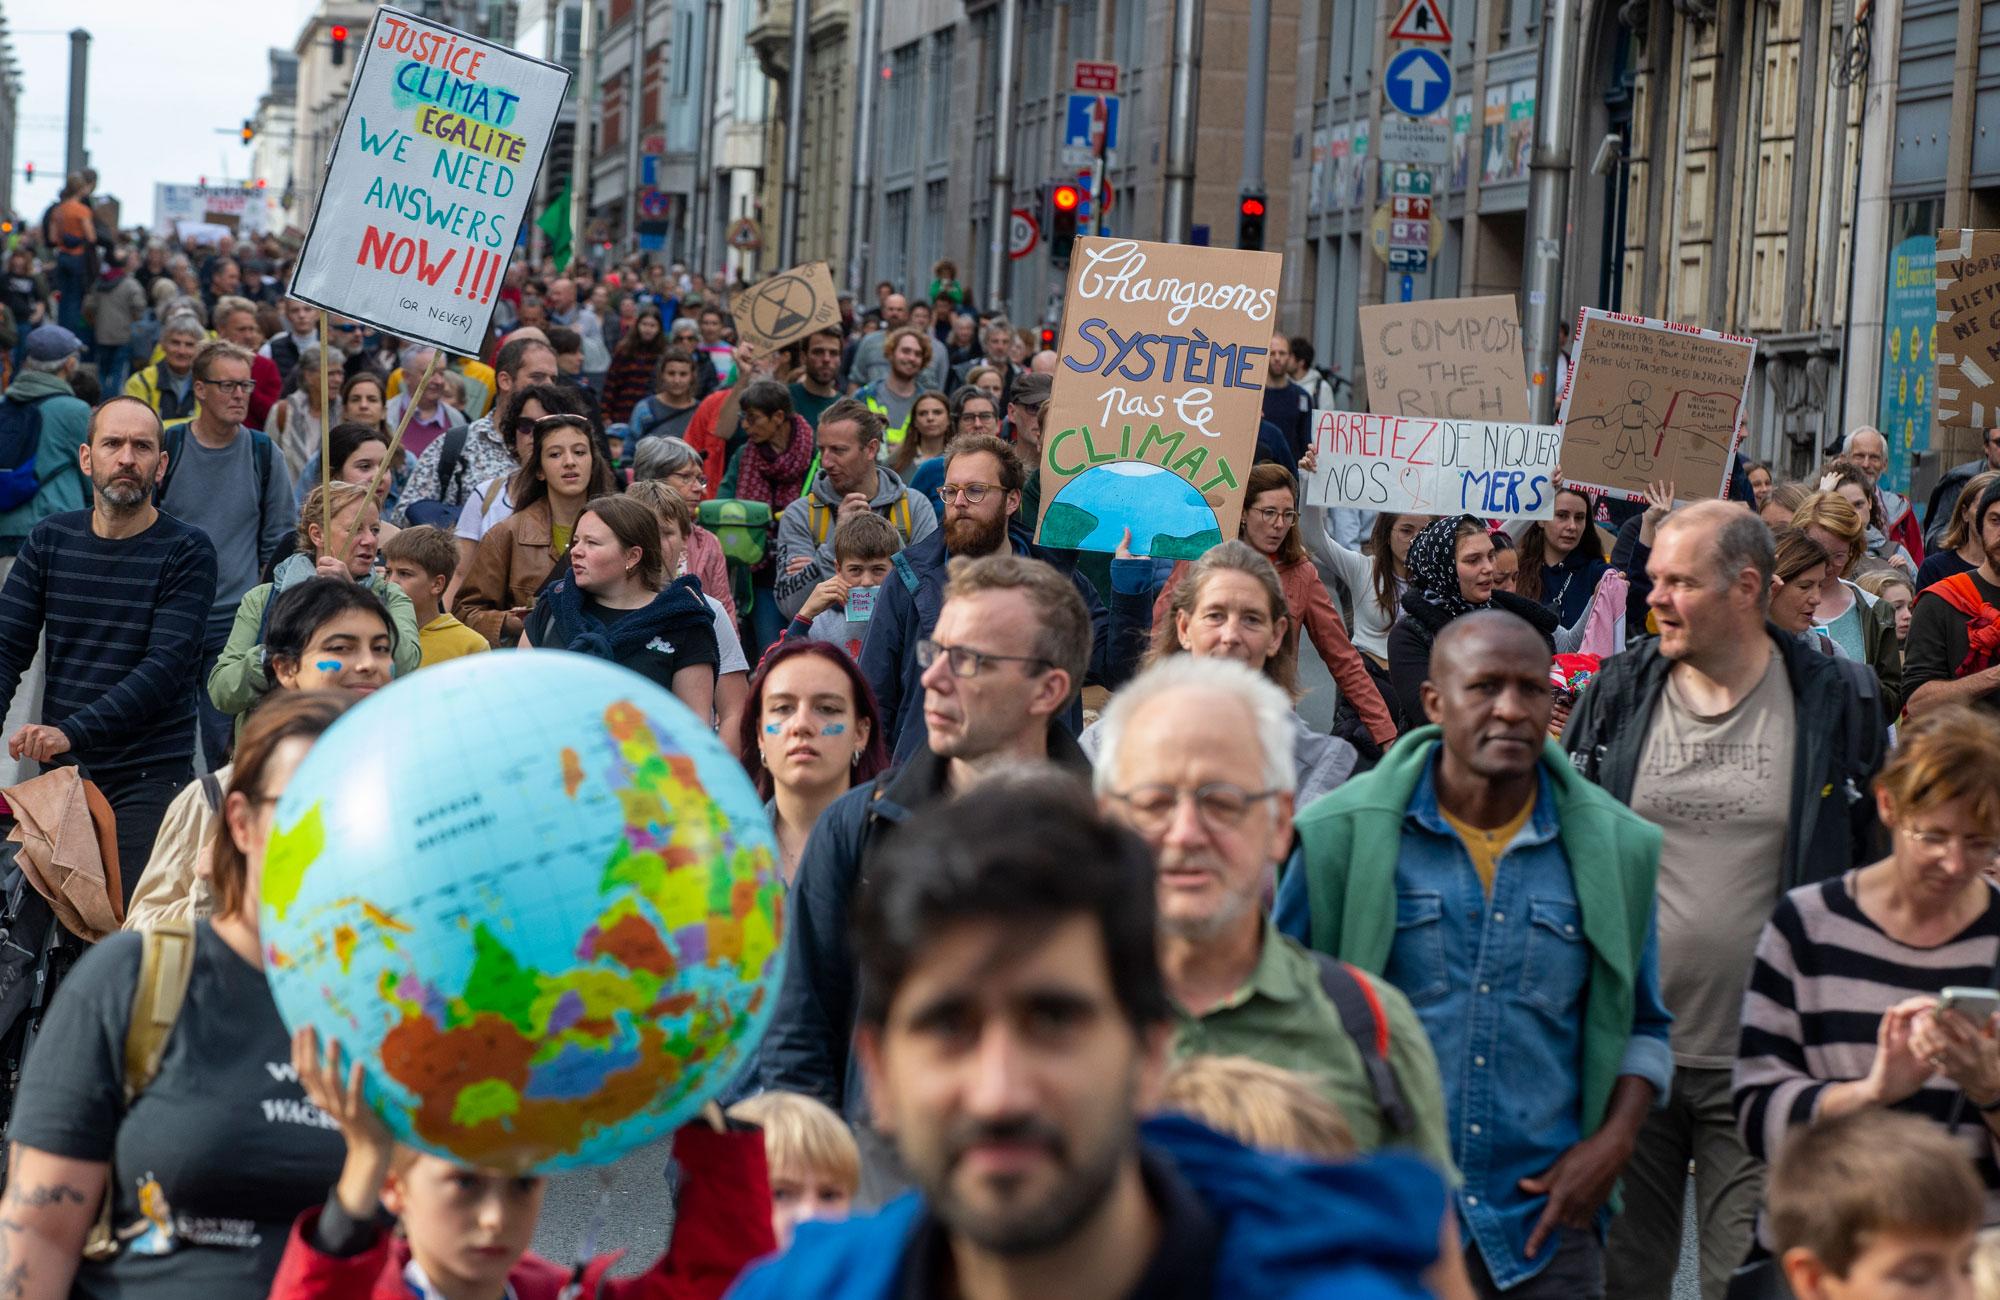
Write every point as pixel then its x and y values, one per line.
pixel 1256 82
pixel 1548 201
pixel 795 126
pixel 1000 205
pixel 1183 104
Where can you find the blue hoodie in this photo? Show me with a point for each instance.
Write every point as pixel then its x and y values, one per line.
pixel 1358 1230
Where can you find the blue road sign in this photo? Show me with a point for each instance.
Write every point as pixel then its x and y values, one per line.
pixel 1076 121
pixel 1418 83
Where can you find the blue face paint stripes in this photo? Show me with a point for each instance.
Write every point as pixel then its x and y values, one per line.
pixel 329 665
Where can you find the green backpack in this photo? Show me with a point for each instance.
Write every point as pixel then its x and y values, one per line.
pixel 744 528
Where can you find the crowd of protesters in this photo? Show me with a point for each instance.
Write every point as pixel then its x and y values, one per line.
pixel 1647 862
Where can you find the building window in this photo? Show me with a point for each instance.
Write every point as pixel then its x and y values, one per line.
pixel 620 11
pixel 899 110
pixel 1128 36
pixel 683 53
pixel 649 90
pixel 893 260
pixel 1034 61
pixel 935 198
pixel 1082 30
pixel 938 124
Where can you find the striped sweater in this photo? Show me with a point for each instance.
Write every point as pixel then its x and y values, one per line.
pixel 124 619
pixel 1824 975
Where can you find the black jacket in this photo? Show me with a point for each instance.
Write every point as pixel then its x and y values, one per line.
pixel 1838 747
pixel 1411 638
pixel 808 1045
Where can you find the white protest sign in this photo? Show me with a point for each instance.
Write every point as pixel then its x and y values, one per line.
pixel 429 179
pixel 1495 469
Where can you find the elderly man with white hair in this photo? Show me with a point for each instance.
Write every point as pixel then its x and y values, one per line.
pixel 1869 451
pixel 434 417
pixel 1195 755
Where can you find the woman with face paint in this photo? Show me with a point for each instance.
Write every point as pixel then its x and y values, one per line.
pixel 810 735
pixel 241 677
pixel 616 603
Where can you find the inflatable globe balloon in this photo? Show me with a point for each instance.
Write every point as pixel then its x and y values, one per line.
pixel 536 898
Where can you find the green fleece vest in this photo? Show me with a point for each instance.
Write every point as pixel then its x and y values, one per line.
pixel 1351 841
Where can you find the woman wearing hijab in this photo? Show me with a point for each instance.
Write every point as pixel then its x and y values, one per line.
pixel 1451 573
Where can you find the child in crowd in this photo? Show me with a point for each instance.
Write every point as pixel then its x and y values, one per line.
pixel 1275 1109
pixel 1874 1203
pixel 814 1164
pixel 465 1231
pixel 837 612
pixel 1259 1105
pixel 421 561
pixel 1896 587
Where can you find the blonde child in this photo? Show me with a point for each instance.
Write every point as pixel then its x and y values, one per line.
pixel 814 1163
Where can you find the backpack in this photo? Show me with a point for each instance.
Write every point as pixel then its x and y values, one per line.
pixel 1361 1015
pixel 176 441
pixel 166 964
pixel 20 439
pixel 36 952
pixel 820 518
pixel 744 529
pixel 440 513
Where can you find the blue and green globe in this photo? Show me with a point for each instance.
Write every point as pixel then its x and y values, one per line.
pixel 536 898
pixel 1168 516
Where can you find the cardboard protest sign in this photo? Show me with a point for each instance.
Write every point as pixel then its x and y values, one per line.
pixel 1152 424
pixel 1652 400
pixel 1968 327
pixel 1413 465
pixel 786 307
pixel 1453 357
pixel 429 178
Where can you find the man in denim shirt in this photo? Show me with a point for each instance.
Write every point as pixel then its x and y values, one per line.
pixel 1517 916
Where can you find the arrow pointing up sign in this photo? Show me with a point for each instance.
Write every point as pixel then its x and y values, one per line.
pixel 1421 20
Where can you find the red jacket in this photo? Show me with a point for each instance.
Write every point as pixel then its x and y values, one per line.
pixel 269 383
pixel 723 1223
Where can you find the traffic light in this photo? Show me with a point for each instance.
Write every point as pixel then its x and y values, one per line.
pixel 1250 221
pixel 1048 339
pixel 339 35
pixel 249 131
pixel 1064 199
pixel 31 173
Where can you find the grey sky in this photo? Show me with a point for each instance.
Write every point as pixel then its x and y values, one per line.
pixel 164 77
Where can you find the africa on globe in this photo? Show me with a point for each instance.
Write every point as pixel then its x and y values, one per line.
pixel 537 899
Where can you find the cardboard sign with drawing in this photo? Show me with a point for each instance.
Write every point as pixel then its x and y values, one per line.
pixel 1653 400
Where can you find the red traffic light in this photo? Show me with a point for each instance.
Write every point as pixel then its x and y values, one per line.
pixel 339 32
pixel 1048 339
pixel 1251 207
pixel 1066 198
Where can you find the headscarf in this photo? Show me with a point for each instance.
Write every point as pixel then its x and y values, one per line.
pixel 1433 565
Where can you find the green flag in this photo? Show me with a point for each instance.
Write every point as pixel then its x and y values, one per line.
pixel 555 224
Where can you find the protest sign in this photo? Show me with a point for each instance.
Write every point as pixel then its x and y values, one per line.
pixel 1453 357
pixel 1414 465
pixel 1152 424
pixel 1968 327
pixel 430 175
pixel 1651 401
pixel 787 306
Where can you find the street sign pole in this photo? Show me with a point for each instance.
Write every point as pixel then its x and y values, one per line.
pixel 1099 134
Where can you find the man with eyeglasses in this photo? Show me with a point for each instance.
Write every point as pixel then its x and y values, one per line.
pixel 982 517
pixel 1195 754
pixel 1944 497
pixel 1512 902
pixel 230 482
pixel 1004 661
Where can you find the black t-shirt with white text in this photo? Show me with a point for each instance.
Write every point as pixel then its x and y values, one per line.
pixel 215 1158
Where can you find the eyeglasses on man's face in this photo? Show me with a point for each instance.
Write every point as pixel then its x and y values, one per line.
pixel 236 386
pixel 967 662
pixel 1219 805
pixel 971 493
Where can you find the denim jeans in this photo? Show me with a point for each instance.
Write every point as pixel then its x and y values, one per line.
pixel 217 729
pixel 767 624
pixel 70 284
pixel 112 368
